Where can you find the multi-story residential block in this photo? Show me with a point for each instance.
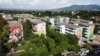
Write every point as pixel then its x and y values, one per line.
pixel 97 28
pixel 23 15
pixel 70 28
pixel 15 28
pixel 52 21
pixel 16 31
pixel 80 28
pixel 88 27
pixel 39 27
pixel 58 20
pixel 7 17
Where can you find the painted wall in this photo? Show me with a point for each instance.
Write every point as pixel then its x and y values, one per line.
pixel 16 33
pixel 79 32
pixel 41 28
pixel 91 32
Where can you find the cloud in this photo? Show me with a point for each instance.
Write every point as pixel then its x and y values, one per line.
pixel 62 2
pixel 6 2
pixel 43 4
pixel 34 2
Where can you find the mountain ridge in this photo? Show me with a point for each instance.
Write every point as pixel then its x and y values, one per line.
pixel 79 7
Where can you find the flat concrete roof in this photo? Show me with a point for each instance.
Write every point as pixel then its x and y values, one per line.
pixel 68 25
pixel 80 22
pixel 23 15
pixel 84 24
pixel 7 17
pixel 12 23
pixel 35 21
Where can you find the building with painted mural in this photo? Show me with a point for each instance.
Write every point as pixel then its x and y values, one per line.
pixel 39 27
pixel 81 28
pixel 70 28
pixel 16 31
pixel 88 27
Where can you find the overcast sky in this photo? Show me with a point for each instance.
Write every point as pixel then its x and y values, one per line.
pixel 43 4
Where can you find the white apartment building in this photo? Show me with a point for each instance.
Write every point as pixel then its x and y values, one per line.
pixel 70 28
pixel 57 20
pixel 88 27
pixel 79 27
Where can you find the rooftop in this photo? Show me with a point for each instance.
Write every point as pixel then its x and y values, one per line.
pixel 7 17
pixel 12 23
pixel 23 15
pixel 36 21
pixel 68 25
pixel 80 22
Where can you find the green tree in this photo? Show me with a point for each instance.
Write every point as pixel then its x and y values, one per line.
pixel 4 33
pixel 27 29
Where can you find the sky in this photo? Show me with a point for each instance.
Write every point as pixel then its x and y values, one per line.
pixel 43 4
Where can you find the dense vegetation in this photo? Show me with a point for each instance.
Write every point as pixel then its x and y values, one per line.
pixel 40 46
pixel 3 36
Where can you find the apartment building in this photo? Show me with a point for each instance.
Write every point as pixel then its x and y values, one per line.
pixel 7 17
pixel 70 28
pixel 56 20
pixel 39 27
pixel 88 27
pixel 80 28
pixel 97 28
pixel 16 31
pixel 23 17
pixel 15 28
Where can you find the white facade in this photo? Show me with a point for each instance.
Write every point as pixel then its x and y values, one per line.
pixel 62 29
pixel 81 28
pixel 88 27
pixel 56 21
pixel 75 30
